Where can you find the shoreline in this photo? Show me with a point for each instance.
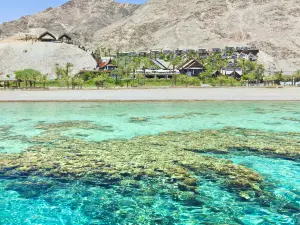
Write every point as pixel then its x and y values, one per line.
pixel 153 95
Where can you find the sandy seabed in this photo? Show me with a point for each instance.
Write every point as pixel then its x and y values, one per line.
pixel 164 94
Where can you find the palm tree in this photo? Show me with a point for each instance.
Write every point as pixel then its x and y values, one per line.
pixel 146 64
pixel 79 82
pixel 134 65
pixel 64 74
pixel 139 77
pixel 296 76
pixel 128 69
pixel 43 79
pixel 175 62
pixel 100 79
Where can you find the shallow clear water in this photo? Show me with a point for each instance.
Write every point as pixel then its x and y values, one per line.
pixel 40 200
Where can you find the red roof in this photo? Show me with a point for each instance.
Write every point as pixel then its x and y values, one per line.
pixel 103 64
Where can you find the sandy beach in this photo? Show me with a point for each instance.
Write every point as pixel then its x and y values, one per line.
pixel 168 94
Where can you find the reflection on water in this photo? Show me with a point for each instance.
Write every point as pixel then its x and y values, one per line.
pixel 210 174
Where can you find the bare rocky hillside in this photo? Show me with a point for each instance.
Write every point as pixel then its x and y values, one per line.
pixel 272 26
pixel 80 18
pixel 42 56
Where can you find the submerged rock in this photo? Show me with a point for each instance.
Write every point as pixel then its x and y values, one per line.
pixel 30 189
pixel 138 119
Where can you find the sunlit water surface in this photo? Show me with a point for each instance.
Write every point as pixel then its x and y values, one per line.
pixel 78 203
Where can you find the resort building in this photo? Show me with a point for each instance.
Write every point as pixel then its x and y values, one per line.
pixel 143 53
pixel 203 52
pixel 186 51
pixel 168 51
pixel 252 57
pixel 216 73
pixel 106 65
pixel 216 50
pixel 132 54
pixel 235 72
pixel 191 67
pixel 162 64
pixel 243 56
pixel 229 49
pixel 234 56
pixel 248 51
pixel 178 52
pixel 65 39
pixel 154 53
pixel 166 74
pixel 225 56
pixel 123 54
pixel 47 37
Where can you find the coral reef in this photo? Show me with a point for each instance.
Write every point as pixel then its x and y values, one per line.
pixel 67 125
pixel 168 158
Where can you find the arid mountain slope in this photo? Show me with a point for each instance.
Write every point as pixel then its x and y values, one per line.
pixel 81 18
pixel 272 26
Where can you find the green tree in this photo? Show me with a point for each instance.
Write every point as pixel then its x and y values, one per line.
pixel 63 74
pixel 296 76
pixel 279 77
pixel 188 80
pixel 28 75
pixel 100 79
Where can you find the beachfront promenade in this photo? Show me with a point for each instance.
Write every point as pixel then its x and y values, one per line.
pixel 168 94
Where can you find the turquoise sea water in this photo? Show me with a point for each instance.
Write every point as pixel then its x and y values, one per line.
pixel 40 200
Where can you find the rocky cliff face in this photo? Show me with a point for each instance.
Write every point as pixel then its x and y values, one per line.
pixel 80 18
pixel 272 26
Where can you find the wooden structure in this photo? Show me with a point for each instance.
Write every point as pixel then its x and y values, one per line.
pixel 160 74
pixel 6 82
pixel 191 67
pixel 47 37
pixel 65 39
pixel 235 72
pixel 216 73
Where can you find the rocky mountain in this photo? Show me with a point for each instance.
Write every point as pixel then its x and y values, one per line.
pixel 80 18
pixel 271 26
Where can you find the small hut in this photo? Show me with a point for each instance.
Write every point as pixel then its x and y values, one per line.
pixel 5 81
pixel 47 37
pixel 65 39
